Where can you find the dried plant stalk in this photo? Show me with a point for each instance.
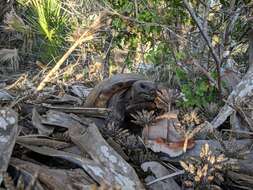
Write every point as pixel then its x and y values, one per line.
pixel 86 36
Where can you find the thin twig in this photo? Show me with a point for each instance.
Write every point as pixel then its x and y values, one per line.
pixel 180 172
pixel 204 35
pixel 111 11
pixel 205 72
pixel 170 166
pixel 22 78
pixel 19 99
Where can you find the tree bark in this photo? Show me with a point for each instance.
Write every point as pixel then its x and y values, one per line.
pixel 250 51
pixel 8 133
pixel 208 42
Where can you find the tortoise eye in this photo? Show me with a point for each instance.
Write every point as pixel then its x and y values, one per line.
pixel 143 86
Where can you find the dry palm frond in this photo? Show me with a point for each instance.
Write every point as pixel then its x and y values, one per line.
pixel 62 136
pixel 139 156
pixel 81 8
pixel 119 135
pixel 11 57
pixel 165 97
pixel 143 118
pixel 20 83
pixel 5 6
pixel 133 142
pixel 14 23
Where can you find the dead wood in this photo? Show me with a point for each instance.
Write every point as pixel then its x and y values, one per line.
pixel 95 170
pixel 65 99
pixel 42 141
pixel 61 119
pixel 159 171
pixel 37 122
pixel 8 135
pixel 89 112
pixel 80 91
pixel 52 178
pixel 94 144
pixel 241 91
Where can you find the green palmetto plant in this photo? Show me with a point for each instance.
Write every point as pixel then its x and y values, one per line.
pixel 50 22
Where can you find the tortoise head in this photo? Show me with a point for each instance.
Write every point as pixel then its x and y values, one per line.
pixel 143 91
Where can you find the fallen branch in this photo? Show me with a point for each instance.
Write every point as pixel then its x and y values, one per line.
pixel 89 112
pixel 242 90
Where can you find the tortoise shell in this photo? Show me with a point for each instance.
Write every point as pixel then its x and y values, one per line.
pixel 103 92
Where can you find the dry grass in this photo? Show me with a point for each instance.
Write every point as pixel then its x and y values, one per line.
pixel 10 57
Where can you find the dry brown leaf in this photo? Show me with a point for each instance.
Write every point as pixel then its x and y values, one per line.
pixel 173 149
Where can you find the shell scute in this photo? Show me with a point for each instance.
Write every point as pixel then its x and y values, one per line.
pixel 102 93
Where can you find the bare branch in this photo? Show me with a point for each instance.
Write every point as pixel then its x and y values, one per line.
pixel 208 41
pixel 111 11
pixel 204 35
